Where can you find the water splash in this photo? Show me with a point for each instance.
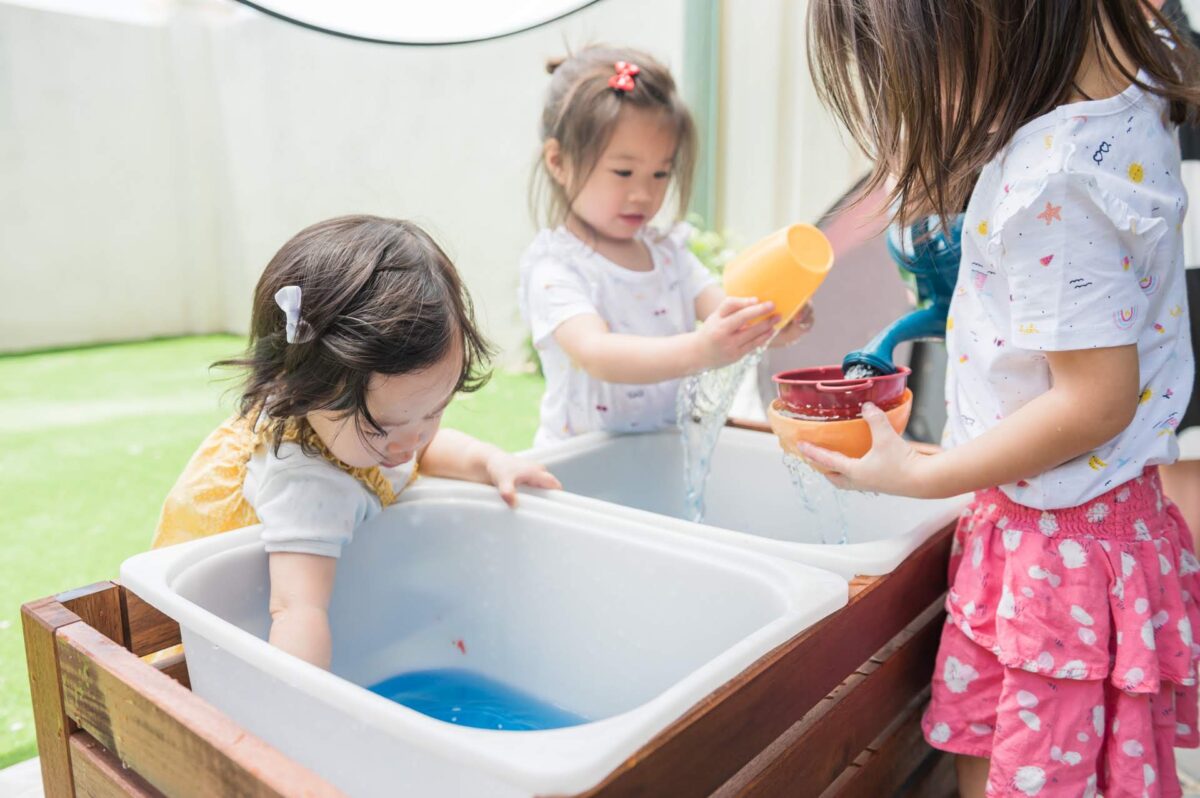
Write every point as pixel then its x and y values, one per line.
pixel 815 491
pixel 784 411
pixel 701 408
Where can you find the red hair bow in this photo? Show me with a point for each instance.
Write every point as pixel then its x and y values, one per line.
pixel 625 73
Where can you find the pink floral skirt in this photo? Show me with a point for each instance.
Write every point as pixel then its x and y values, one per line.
pixel 1067 657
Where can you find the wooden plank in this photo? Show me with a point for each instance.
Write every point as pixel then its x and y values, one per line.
pixel 703 749
pixel 890 760
pixel 146 629
pixel 860 583
pixel 895 756
pixel 40 620
pixel 175 666
pixel 748 424
pixel 814 752
pixel 176 741
pixel 99 606
pixel 99 774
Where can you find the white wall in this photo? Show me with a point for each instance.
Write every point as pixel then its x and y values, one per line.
pixel 91 221
pixel 783 158
pixel 152 160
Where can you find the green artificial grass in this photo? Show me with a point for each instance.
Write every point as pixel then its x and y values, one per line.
pixel 90 442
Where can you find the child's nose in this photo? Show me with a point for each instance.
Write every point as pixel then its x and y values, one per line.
pixel 405 442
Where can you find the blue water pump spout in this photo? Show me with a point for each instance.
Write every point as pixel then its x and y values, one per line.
pixel 930 253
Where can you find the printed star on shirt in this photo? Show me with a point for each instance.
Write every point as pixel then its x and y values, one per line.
pixel 1051 213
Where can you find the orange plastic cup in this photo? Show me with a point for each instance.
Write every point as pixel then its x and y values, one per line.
pixel 851 437
pixel 786 268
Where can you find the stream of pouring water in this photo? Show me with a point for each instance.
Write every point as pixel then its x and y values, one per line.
pixel 813 489
pixel 702 407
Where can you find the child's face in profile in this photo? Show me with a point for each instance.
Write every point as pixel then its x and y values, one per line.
pixel 627 187
pixel 407 406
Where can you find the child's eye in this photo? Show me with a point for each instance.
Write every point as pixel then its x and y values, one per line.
pixel 661 175
pixel 623 172
pixel 376 435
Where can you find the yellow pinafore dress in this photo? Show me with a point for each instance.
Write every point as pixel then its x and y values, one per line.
pixel 207 498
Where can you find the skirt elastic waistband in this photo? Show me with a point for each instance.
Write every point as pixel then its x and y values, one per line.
pixel 1130 510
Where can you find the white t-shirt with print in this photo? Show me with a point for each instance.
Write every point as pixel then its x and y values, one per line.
pixel 1072 240
pixel 307 505
pixel 1191 225
pixel 562 277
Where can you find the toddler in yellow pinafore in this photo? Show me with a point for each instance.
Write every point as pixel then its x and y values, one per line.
pixel 209 497
pixel 361 335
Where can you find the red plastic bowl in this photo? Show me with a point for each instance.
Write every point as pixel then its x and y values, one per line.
pixel 823 392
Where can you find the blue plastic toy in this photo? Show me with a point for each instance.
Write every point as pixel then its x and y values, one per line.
pixel 931 255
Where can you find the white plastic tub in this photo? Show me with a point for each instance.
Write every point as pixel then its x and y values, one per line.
pixel 750 500
pixel 606 617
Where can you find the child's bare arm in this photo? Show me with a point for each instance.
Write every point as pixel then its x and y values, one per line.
pixel 456 455
pixel 1093 398
pixel 708 300
pixel 301 585
pixel 726 337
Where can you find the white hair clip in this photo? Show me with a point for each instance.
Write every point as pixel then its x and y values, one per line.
pixel 288 300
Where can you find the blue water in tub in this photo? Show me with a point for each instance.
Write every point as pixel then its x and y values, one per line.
pixel 466 698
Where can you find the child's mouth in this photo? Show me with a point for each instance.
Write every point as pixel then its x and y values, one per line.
pixel 400 461
pixel 636 219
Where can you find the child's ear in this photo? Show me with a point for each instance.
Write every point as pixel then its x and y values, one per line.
pixel 552 156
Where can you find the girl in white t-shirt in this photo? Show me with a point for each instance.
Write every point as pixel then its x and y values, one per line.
pixel 1067 665
pixel 361 335
pixel 612 301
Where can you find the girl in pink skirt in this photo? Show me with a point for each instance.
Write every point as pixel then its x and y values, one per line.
pixel 1067 664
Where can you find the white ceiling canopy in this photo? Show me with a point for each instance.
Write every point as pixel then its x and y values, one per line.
pixel 421 22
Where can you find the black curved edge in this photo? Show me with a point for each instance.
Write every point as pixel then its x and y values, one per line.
pixel 355 37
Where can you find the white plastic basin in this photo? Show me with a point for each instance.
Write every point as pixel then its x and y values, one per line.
pixel 750 499
pixel 606 617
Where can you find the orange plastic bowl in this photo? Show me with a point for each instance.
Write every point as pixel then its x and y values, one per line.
pixel 851 437
pixel 786 268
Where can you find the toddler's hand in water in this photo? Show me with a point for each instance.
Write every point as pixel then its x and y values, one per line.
pixel 801 323
pixel 892 466
pixel 728 333
pixel 507 471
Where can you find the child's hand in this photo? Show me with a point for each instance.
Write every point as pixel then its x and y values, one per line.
pixel 728 335
pixel 801 323
pixel 507 471
pixel 892 466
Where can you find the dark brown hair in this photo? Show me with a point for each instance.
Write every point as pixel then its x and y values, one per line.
pixel 581 112
pixel 932 90
pixel 378 296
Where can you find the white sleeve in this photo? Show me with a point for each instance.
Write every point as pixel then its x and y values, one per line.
pixel 306 505
pixel 554 293
pixel 1069 255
